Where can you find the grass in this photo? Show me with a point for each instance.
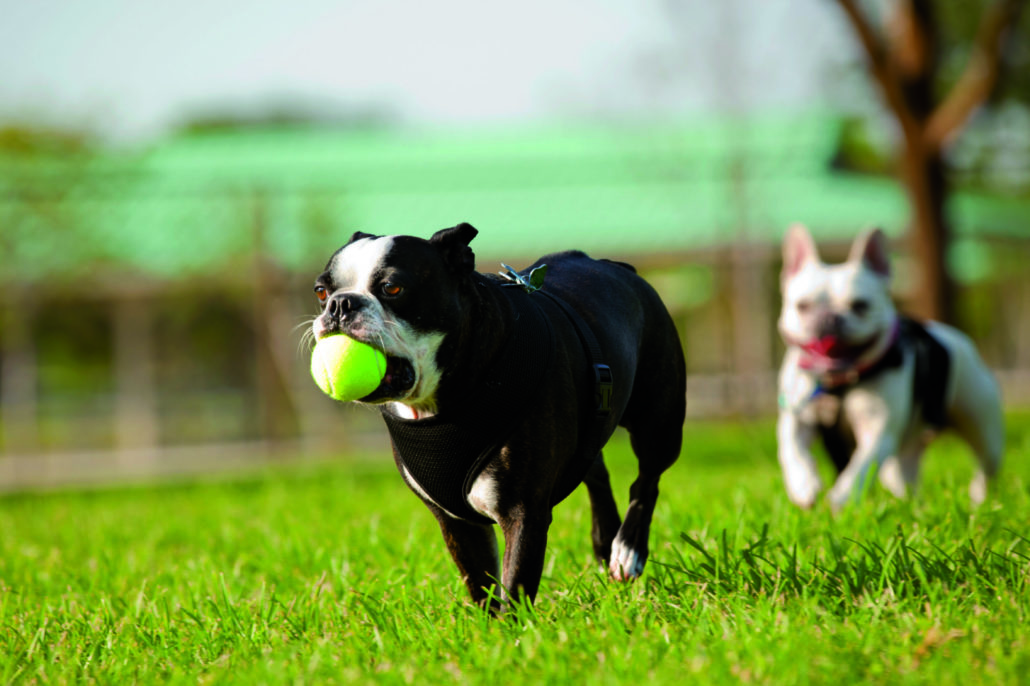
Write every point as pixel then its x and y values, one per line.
pixel 337 574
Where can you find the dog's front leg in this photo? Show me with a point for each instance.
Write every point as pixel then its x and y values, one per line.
pixel 877 424
pixel 525 540
pixel 799 469
pixel 853 480
pixel 474 550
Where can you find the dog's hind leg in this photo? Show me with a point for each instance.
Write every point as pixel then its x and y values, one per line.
pixel 899 473
pixel 654 419
pixel 986 438
pixel 977 417
pixel 605 519
pixel 656 453
pixel 975 409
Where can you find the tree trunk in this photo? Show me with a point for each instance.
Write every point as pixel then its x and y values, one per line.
pixel 925 180
pixel 913 47
pixel 903 61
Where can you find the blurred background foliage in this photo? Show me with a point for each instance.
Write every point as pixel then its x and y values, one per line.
pixel 152 292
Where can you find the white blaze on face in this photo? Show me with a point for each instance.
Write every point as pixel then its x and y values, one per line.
pixel 352 268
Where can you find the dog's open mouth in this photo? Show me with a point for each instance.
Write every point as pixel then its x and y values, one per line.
pixel 830 346
pixel 399 378
pixel 838 350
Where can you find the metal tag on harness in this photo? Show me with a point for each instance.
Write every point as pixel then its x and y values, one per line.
pixel 603 392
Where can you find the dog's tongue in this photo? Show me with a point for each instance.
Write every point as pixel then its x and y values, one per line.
pixel 827 346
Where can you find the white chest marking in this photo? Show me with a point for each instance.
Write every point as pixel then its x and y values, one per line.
pixel 483 495
pixel 415 486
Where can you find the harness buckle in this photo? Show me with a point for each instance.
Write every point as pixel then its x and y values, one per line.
pixel 603 393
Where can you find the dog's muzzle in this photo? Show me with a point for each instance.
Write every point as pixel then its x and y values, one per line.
pixel 349 314
pixel 346 306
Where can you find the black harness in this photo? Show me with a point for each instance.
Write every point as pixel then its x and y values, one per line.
pixel 933 368
pixel 445 453
pixel 930 379
pixel 929 385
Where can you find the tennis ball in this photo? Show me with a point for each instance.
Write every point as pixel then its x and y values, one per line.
pixel 346 369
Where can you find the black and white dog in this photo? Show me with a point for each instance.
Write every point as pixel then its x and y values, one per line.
pixel 499 394
pixel 874 385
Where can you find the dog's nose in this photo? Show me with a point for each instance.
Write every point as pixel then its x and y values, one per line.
pixel 830 323
pixel 343 304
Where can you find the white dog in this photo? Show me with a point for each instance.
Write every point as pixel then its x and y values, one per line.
pixel 873 384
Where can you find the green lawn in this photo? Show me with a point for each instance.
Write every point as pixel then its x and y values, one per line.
pixel 337 574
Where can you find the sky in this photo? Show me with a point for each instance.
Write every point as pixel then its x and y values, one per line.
pixel 132 69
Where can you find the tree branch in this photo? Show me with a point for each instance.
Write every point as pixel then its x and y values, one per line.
pixel 979 77
pixel 883 70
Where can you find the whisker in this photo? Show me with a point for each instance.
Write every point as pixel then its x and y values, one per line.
pixel 307 336
pixel 306 323
pixel 381 341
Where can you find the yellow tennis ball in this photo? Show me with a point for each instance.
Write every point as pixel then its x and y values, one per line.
pixel 346 369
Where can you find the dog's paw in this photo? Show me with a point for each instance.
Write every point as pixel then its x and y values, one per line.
pixel 839 496
pixel 893 478
pixel 804 491
pixel 978 489
pixel 626 563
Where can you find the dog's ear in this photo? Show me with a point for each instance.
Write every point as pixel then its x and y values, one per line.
pixel 453 244
pixel 358 235
pixel 798 248
pixel 870 248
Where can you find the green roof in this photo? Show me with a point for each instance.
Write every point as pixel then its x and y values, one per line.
pixel 204 203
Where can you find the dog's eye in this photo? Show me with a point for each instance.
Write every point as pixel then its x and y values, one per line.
pixel 860 307
pixel 321 293
pixel 804 306
pixel 391 289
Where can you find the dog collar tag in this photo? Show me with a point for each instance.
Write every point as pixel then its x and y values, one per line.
pixel 534 282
